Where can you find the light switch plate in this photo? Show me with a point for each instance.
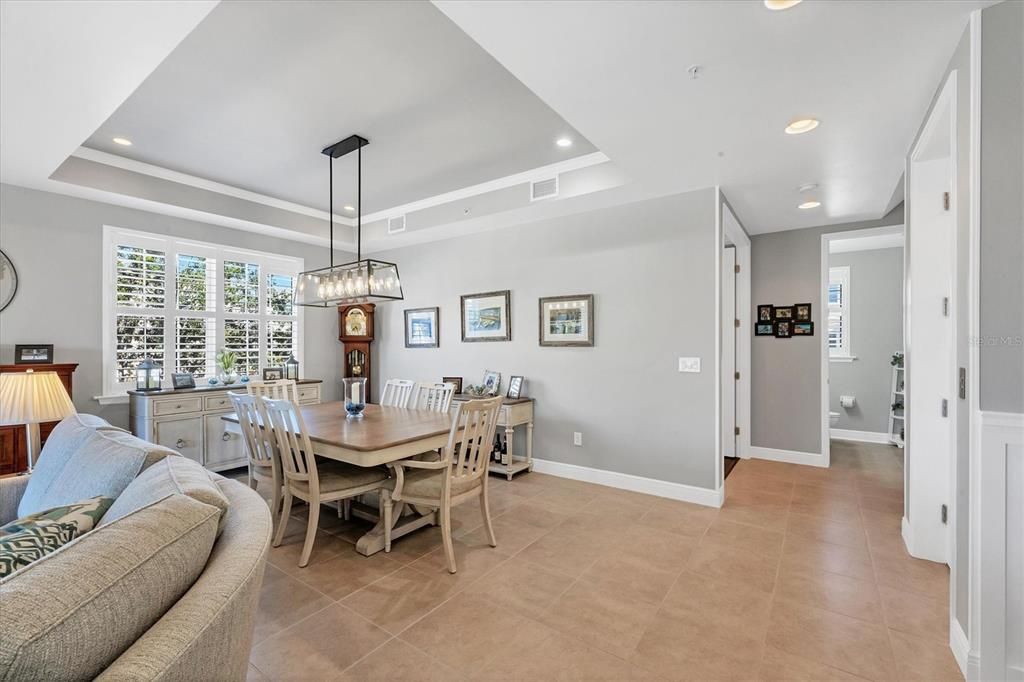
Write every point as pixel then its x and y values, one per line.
pixel 689 364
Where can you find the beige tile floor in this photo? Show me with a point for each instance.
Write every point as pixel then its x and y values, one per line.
pixel 801 575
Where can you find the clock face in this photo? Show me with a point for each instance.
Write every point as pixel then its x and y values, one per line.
pixel 355 322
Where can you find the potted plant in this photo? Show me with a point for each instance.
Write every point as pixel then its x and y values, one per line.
pixel 226 361
pixel 897 360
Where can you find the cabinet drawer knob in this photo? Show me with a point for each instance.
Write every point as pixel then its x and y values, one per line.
pixel 178 406
pixel 225 436
pixel 180 443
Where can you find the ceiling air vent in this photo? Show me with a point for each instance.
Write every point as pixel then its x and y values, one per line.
pixel 396 225
pixel 544 189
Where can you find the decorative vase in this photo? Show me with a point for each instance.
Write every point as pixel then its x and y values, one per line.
pixel 228 377
pixel 355 395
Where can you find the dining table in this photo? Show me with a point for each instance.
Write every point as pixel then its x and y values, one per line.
pixel 379 436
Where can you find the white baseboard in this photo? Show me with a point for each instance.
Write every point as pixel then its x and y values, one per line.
pixel 862 436
pixel 905 532
pixel 637 484
pixel 813 459
pixel 958 643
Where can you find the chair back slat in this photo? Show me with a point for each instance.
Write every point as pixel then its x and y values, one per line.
pixel 278 389
pixel 292 441
pixel 259 443
pixel 397 392
pixel 432 397
pixel 477 420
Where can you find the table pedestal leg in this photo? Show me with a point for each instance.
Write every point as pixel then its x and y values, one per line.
pixel 402 524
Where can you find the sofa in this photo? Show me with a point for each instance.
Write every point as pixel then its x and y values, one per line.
pixel 165 587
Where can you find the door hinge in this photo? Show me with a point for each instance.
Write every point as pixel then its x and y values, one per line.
pixel 945 306
pixel 945 407
pixel 737 323
pixel 945 514
pixel 737 268
pixel 963 383
pixel 737 430
pixel 737 376
pixel 945 201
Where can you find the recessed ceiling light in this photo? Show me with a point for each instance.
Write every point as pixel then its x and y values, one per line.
pixel 563 142
pixel 348 208
pixel 123 141
pixel 809 204
pixel 776 5
pixel 807 187
pixel 802 125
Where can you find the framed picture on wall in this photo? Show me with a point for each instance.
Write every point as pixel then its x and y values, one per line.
pixel 421 328
pixel 764 329
pixel 802 312
pixel 803 329
pixel 764 313
pixel 783 329
pixel 567 320
pixel 783 312
pixel 486 316
pixel 456 381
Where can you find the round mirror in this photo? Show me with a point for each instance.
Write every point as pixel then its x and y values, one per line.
pixel 8 280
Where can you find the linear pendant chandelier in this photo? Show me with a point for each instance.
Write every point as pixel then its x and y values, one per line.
pixel 361 281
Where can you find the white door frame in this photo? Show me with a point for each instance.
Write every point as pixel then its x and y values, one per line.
pixel 729 226
pixel 826 240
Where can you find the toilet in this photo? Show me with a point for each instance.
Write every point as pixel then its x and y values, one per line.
pixel 833 418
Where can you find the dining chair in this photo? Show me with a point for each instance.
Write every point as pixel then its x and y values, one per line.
pixel 277 389
pixel 460 474
pixel 432 397
pixel 260 448
pixel 311 480
pixel 397 392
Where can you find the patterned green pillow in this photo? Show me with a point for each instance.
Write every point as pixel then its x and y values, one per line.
pixel 20 549
pixel 83 515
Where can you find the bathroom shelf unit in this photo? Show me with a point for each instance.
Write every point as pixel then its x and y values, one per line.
pixel 897 419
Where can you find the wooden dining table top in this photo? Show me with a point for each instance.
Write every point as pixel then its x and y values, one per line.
pixel 379 428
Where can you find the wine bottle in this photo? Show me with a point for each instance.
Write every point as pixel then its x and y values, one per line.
pixel 505 457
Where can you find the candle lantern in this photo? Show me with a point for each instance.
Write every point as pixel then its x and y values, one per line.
pixel 291 368
pixel 148 375
pixel 355 395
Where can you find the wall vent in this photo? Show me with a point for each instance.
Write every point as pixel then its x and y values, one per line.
pixel 544 189
pixel 396 225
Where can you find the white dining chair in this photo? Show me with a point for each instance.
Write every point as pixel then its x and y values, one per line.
pixel 397 392
pixel 260 448
pixel 459 476
pixel 433 397
pixel 277 389
pixel 305 477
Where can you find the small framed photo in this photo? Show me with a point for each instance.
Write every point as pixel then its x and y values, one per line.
pixel 491 382
pixel 803 329
pixel 273 373
pixel 783 329
pixel 486 316
pixel 457 381
pixel 515 388
pixel 421 328
pixel 765 314
pixel 764 329
pixel 33 354
pixel 802 312
pixel 182 380
pixel 567 320
pixel 783 312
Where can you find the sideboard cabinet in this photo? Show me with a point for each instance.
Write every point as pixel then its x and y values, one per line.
pixel 189 421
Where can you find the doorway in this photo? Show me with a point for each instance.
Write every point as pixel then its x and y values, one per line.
pixel 728 379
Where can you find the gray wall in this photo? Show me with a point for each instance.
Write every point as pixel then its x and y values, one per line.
pixel 785 400
pixel 651 268
pixel 56 243
pixel 876 314
pixel 1002 208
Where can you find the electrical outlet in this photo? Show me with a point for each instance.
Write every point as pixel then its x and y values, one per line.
pixel 689 365
pixel 577 439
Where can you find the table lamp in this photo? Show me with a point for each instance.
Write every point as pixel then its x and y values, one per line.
pixel 31 398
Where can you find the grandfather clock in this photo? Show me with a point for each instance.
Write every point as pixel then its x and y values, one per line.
pixel 355 323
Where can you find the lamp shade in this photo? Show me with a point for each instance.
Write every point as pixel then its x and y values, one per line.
pixel 33 398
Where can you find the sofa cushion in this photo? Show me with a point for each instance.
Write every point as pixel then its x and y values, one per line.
pixel 18 550
pixel 73 612
pixel 83 515
pixel 82 459
pixel 169 476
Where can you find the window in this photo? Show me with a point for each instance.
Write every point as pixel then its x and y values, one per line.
pixel 839 312
pixel 178 301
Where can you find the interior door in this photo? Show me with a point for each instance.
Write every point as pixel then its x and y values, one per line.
pixel 729 351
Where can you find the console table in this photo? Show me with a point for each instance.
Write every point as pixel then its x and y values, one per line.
pixel 189 421
pixel 514 412
pixel 13 452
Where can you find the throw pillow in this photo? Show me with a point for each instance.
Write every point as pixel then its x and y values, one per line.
pixel 82 515
pixel 18 550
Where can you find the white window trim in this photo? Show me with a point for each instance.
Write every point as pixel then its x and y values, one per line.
pixel 114 392
pixel 844 353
